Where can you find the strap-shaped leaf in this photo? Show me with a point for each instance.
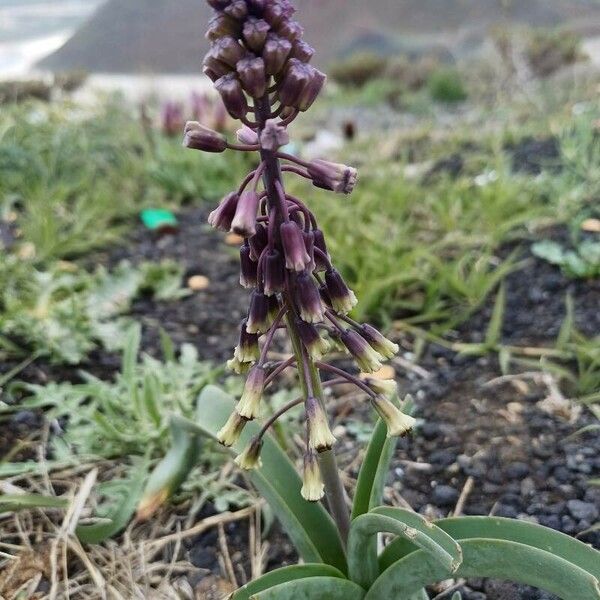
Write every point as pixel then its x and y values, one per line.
pixel 17 502
pixel 497 559
pixel 499 528
pixel 363 566
pixel 374 470
pixel 285 575
pixel 309 526
pixel 313 588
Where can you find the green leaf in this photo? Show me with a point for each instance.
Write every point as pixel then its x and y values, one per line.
pixel 494 330
pixel 171 472
pixel 122 512
pixel 130 353
pixel 374 469
pixel 313 588
pixel 499 528
pixel 16 502
pixel 285 575
pixel 363 567
pixel 310 527
pixel 550 251
pixel 497 559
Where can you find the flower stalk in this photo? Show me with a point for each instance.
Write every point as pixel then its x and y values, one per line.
pixel 261 68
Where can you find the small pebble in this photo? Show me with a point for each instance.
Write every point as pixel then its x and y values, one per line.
pixel 444 495
pixel 583 511
pixel 197 283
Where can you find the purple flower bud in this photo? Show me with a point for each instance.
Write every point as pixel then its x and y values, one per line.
pixel 258 315
pixel 321 263
pixel 296 257
pixel 221 25
pixel 233 95
pixel 222 216
pixel 255 33
pixel 247 350
pixel 253 77
pixel 248 269
pixel 258 242
pixel 274 14
pixel 295 79
pixel 273 136
pixel 332 176
pixel 309 243
pixel 313 488
pixel 309 300
pixel 228 51
pixel 198 137
pixel 257 5
pixel 244 221
pixel 214 68
pixel 379 342
pixel 342 297
pixel 249 404
pixel 274 308
pixel 275 54
pixel 315 345
pixel 302 51
pixel 248 136
pixel 312 89
pixel 237 10
pixel 320 437
pixel 367 359
pixel 274 273
pixel 290 30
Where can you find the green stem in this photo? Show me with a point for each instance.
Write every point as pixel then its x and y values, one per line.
pixel 334 489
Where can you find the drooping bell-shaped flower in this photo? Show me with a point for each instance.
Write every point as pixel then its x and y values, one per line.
pixel 309 299
pixel 275 53
pixel 398 424
pixel 249 459
pixel 379 342
pixel 274 273
pixel 249 404
pixel 252 74
pixel 294 248
pixel 320 437
pixel 255 33
pixel 258 315
pixel 342 297
pixel 248 269
pixel 332 176
pixel 367 359
pixel 313 488
pixel 222 217
pixel 315 345
pixel 230 433
pixel 244 221
pixel 247 350
pixel 383 387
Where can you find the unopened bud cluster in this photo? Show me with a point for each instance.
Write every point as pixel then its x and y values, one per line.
pixel 260 66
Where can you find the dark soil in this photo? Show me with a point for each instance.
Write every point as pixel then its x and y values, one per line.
pixel 521 460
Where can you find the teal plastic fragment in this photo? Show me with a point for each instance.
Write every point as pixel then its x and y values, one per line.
pixel 159 219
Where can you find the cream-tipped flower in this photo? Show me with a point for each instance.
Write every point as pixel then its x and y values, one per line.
pixel 316 346
pixel 343 299
pixel 231 431
pixel 236 366
pixel 367 359
pixel 247 350
pixel 249 459
pixel 249 404
pixel 398 424
pixel 385 387
pixel 313 488
pixel 320 437
pixel 379 342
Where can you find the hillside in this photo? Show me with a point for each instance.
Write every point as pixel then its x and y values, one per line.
pixel 167 35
